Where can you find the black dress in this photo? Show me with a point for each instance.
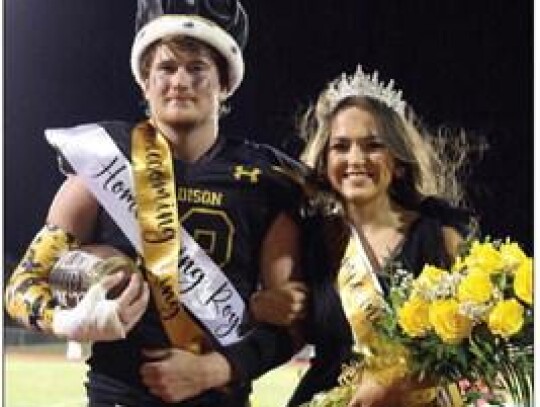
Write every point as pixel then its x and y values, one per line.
pixel 329 330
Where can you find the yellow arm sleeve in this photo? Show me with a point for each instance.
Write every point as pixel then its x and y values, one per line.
pixel 28 294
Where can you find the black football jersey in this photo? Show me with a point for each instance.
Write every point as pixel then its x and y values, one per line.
pixel 226 201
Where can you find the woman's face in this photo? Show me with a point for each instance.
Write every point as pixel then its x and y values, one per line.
pixel 359 166
pixel 183 87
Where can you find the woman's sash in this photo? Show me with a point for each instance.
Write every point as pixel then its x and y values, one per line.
pixel 357 263
pixel 204 289
pixel 358 283
pixel 359 288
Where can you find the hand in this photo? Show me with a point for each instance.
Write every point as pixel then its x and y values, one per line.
pixel 97 318
pixel 132 302
pixel 174 375
pixel 281 305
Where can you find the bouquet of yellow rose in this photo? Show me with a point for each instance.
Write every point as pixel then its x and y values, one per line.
pixel 471 323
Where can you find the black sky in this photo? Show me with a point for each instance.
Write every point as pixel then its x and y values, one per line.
pixel 464 63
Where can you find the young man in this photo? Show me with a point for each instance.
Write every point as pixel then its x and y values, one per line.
pixel 185 344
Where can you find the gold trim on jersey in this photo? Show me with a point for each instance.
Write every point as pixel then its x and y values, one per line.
pixel 219 250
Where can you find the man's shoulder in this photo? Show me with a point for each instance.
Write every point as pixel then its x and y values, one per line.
pixel 258 153
pixel 281 173
pixel 117 128
pixel 120 132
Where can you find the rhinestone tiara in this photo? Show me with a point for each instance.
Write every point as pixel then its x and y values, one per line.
pixel 364 84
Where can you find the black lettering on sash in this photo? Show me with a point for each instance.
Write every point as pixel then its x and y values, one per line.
pixel 152 236
pixel 230 319
pixel 171 306
pixel 155 174
pixel 120 191
pixel 193 273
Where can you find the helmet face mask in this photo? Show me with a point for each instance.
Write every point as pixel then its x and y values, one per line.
pixel 222 24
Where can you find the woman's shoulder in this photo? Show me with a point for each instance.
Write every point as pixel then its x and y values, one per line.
pixel 424 243
pixel 451 217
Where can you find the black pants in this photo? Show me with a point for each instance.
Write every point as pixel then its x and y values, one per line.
pixel 104 391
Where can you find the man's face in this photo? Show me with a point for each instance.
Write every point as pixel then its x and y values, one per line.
pixel 183 87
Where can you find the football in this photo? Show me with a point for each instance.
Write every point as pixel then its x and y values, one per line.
pixel 76 271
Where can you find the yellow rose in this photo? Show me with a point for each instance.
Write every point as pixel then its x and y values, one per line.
pixel 512 255
pixel 413 317
pixel 475 287
pixel 484 257
pixel 449 324
pixel 523 281
pixel 506 318
pixel 430 276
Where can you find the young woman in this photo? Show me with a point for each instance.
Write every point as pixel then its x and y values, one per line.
pixel 388 201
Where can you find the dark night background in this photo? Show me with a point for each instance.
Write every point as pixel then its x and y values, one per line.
pixel 464 63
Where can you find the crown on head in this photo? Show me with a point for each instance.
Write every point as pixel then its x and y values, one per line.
pixel 363 84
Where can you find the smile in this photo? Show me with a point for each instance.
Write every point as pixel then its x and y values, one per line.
pixel 180 99
pixel 357 174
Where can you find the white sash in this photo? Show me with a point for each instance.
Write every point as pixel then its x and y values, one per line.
pixel 358 255
pixel 205 290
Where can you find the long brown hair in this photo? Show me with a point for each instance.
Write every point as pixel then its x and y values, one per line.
pixel 431 165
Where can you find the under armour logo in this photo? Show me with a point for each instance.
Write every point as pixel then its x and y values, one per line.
pixel 241 171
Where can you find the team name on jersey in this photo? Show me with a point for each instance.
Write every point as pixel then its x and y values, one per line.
pixel 199 196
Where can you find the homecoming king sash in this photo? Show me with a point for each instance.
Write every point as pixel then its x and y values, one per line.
pixel 201 285
pixel 159 227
